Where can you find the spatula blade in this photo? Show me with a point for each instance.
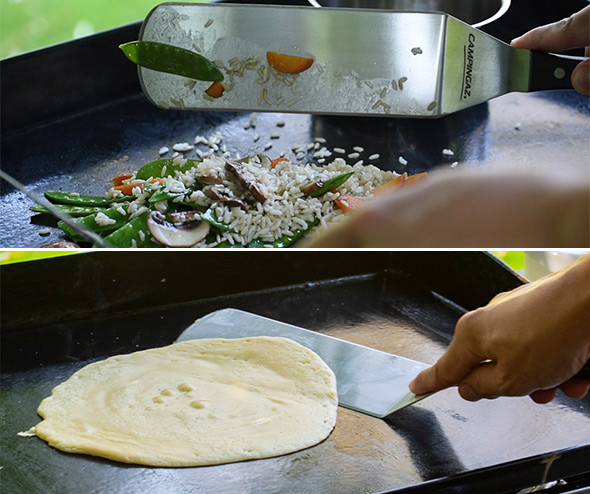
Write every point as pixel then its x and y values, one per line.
pixel 366 62
pixel 368 381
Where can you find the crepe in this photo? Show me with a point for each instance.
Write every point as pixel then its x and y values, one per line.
pixel 198 402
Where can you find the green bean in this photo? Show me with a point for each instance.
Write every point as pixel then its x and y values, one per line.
pixel 90 223
pixel 171 59
pixel 155 169
pixel 333 183
pixel 74 211
pixel 75 199
pixel 135 230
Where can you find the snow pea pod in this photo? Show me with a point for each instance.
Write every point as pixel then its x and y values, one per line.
pixel 135 233
pixel 164 167
pixel 210 217
pixel 119 218
pixel 333 183
pixel 74 211
pixel 285 240
pixel 75 199
pixel 171 59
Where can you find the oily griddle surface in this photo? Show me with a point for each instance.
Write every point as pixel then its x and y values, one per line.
pixel 436 438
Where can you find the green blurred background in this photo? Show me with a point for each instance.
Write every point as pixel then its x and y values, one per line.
pixel 27 25
pixel 515 259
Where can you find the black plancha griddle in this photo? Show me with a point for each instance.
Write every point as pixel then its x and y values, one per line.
pixel 73 116
pixel 63 313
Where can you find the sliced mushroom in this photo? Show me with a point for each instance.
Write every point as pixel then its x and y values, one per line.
pixel 225 195
pixel 311 188
pixel 265 161
pixel 209 179
pixel 62 244
pixel 246 179
pixel 184 230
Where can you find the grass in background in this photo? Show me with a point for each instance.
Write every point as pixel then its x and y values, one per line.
pixel 514 258
pixel 27 25
pixel 10 256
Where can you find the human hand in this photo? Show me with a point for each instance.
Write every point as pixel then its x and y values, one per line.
pixel 535 338
pixel 573 32
pixel 470 209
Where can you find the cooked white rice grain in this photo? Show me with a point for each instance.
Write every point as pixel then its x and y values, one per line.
pixel 102 219
pixel 182 147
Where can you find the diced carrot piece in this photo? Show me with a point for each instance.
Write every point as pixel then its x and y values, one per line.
pixel 118 180
pixel 127 189
pixel 157 181
pixel 289 64
pixel 416 178
pixel 215 90
pixel 399 182
pixel 348 203
pixel 276 161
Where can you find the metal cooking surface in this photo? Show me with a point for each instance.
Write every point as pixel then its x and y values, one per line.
pixel 81 152
pixel 435 438
pixel 84 153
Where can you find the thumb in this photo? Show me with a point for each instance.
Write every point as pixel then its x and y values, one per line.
pixel 450 369
pixel 573 32
pixel 581 77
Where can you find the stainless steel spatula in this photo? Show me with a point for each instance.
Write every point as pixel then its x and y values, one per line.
pixel 369 381
pixel 365 62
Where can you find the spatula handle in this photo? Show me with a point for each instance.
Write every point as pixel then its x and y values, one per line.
pixel 551 71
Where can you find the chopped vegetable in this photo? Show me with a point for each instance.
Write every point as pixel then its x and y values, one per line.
pixel 184 229
pixel 215 90
pixel 165 167
pixel 74 211
pixel 171 59
pixel 119 179
pixel 127 189
pixel 245 178
pixel 74 199
pixel 276 161
pixel 348 203
pixel 332 184
pixel 400 181
pixel 116 218
pixel 210 217
pixel 133 234
pixel 289 64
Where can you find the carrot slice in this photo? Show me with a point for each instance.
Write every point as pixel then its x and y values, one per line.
pixel 127 189
pixel 215 90
pixel 118 180
pixel 348 203
pixel 399 182
pixel 276 161
pixel 288 64
pixel 416 178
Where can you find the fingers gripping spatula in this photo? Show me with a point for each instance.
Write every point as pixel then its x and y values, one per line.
pixel 369 381
pixel 365 62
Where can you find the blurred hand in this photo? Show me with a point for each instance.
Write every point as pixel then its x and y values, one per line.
pixel 573 32
pixel 535 338
pixel 475 209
